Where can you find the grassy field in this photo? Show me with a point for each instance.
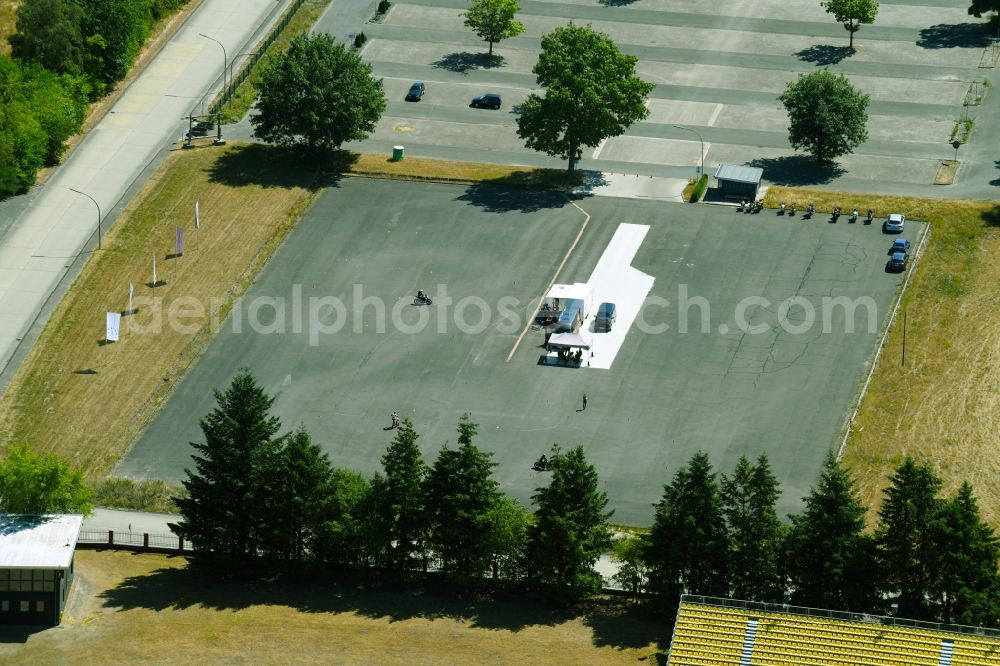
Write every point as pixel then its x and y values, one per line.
pixel 86 400
pixel 8 23
pixel 942 407
pixel 152 609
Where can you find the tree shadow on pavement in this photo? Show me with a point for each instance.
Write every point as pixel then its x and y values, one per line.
pixel 276 166
pixel 996 181
pixel 616 3
pixel 495 197
pixel 824 54
pixel 955 35
pixel 464 61
pixel 178 589
pixel 795 170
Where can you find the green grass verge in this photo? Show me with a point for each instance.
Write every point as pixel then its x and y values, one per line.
pixel 245 94
pixel 146 495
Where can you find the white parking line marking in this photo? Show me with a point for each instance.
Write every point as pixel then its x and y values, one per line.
pixel 715 115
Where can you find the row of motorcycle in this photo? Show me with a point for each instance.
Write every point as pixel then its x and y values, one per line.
pixel 757 206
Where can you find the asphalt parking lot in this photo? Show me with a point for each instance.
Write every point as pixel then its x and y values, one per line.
pixel 749 374
pixel 718 69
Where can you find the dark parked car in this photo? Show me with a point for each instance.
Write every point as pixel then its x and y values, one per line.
pixel 416 92
pixel 897 262
pixel 900 245
pixel 487 101
pixel 606 315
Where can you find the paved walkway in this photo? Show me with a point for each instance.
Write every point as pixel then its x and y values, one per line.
pixel 49 233
pixel 137 523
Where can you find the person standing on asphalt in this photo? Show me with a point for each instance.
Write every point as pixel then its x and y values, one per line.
pixel 584 403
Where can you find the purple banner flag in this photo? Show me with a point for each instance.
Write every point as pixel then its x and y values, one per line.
pixel 179 242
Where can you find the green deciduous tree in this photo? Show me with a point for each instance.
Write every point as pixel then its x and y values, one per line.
pixel 852 13
pixel 829 559
pixel 318 94
pixel 755 533
pixel 124 26
pixel 570 531
pixel 629 553
pixel 966 588
pixel 493 20
pixel 905 547
pixel 163 8
pixel 226 513
pixel 980 7
pixel 343 537
pixel 460 493
pixel 23 145
pixel 507 538
pixel 49 33
pixel 398 518
pixel 688 544
pixel 59 102
pixel 36 483
pixel 591 93
pixel 827 116
pixel 39 110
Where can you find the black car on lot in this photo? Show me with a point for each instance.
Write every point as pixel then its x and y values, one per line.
pixel 897 262
pixel 416 92
pixel 487 101
pixel 606 315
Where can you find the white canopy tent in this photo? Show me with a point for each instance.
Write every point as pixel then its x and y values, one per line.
pixel 570 341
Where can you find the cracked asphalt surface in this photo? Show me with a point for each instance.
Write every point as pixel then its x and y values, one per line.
pixel 753 358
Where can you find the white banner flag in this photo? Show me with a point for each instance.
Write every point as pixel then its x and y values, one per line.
pixel 131 290
pixel 154 271
pixel 197 214
pixel 179 242
pixel 114 320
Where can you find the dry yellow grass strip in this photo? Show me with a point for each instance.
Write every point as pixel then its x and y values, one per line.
pixel 943 407
pixel 422 168
pixel 87 401
pixel 8 23
pixel 150 609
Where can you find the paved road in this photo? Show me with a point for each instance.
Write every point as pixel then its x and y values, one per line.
pixel 136 522
pixel 45 231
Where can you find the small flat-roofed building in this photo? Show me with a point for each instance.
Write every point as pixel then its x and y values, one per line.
pixel 738 182
pixel 36 567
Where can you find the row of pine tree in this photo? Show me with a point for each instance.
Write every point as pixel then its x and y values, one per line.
pixel 257 499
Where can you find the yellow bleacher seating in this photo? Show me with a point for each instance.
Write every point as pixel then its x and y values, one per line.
pixel 710 635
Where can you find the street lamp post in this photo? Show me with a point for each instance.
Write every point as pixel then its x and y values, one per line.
pixel 701 172
pixel 98 214
pixel 225 58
